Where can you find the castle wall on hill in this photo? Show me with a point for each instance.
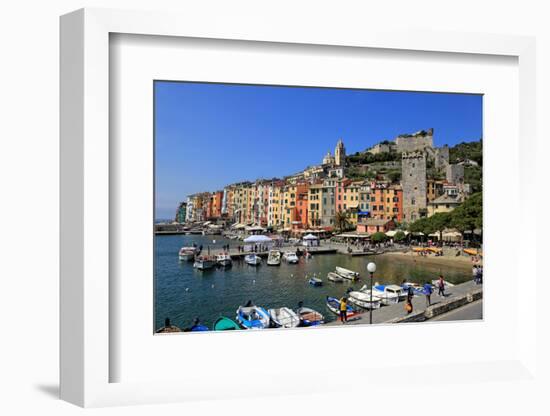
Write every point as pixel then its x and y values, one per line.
pixel 415 142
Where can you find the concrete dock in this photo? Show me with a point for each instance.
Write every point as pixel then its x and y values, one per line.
pixel 455 297
pixel 237 255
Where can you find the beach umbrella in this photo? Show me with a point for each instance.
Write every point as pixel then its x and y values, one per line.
pixel 310 237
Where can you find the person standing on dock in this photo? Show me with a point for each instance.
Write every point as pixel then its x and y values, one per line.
pixel 343 310
pixel 428 292
pixel 441 286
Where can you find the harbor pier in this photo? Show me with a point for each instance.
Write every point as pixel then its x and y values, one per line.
pixel 455 297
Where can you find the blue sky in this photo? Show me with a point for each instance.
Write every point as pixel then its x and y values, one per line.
pixel 210 135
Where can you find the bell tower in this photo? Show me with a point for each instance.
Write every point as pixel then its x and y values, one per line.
pixel 340 153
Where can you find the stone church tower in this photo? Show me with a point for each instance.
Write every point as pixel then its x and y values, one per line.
pixel 340 153
pixel 414 186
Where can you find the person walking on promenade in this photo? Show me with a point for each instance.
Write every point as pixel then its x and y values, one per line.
pixel 410 290
pixel 474 273
pixel 479 275
pixel 441 286
pixel 408 306
pixel 428 292
pixel 344 310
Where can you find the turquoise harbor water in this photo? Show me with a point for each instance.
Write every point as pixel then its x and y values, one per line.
pixel 183 293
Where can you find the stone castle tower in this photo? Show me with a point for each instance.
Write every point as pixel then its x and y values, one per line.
pixel 340 153
pixel 414 186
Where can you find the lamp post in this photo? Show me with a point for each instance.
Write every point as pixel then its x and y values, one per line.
pixel 371 267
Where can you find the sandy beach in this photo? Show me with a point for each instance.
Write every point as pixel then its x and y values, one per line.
pixel 461 262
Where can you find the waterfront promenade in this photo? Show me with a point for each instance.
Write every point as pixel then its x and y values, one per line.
pixel 394 313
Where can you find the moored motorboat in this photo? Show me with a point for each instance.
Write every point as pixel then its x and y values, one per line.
pixel 204 262
pixel 252 317
pixel 274 258
pixel 290 257
pixel 346 273
pixel 397 290
pixel 253 259
pixel 309 317
pixel 364 300
pixel 333 304
pixel 225 324
pixel 315 281
pixel 334 277
pixel 387 297
pixel 187 253
pixel 224 260
pixel 284 317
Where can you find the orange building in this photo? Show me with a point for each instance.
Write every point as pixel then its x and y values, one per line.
pixel 216 204
pixel 386 201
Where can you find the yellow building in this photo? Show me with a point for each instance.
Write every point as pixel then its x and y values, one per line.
pixel 315 201
pixel 351 197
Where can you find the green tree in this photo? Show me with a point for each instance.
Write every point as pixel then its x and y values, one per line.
pixel 399 236
pixel 378 237
pixel 469 215
pixel 342 220
pixel 440 222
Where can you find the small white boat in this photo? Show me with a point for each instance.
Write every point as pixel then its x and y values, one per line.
pixel 187 253
pixel 204 262
pixel 253 259
pixel 334 277
pixel 290 257
pixel 348 274
pixel 386 297
pixel 274 258
pixel 224 260
pixel 364 300
pixel 284 317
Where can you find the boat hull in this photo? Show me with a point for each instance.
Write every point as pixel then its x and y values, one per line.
pixel 204 264
pixel 284 318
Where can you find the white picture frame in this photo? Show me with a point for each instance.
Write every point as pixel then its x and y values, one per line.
pixel 86 333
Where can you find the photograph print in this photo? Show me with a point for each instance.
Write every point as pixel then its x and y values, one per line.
pixel 281 207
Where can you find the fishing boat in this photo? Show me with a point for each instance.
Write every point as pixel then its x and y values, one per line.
pixel 284 317
pixel 187 253
pixel 315 281
pixel 333 304
pixel 334 277
pixel 197 326
pixel 290 257
pixel 274 258
pixel 253 259
pixel 225 324
pixel 346 273
pixel 204 262
pixel 224 260
pixel 386 297
pixel 309 317
pixel 252 317
pixel 364 300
